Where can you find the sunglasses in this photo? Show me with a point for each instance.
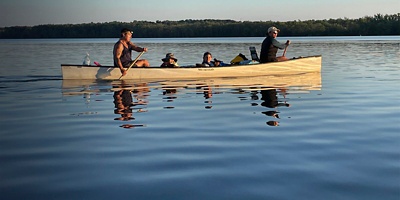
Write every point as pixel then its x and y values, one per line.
pixel 129 32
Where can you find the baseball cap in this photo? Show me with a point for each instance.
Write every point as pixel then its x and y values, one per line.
pixel 273 29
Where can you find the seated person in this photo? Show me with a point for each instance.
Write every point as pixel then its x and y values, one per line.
pixel 123 50
pixel 169 61
pixel 270 46
pixel 207 60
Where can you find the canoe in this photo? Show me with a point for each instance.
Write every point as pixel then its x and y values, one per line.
pixel 292 66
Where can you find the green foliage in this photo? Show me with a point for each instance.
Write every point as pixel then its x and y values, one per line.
pixel 376 25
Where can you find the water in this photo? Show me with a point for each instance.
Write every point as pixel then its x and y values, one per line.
pixel 201 139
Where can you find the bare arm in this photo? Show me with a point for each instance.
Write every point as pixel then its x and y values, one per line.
pixel 138 49
pixel 117 56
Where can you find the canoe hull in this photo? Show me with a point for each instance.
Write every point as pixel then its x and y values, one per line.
pixel 295 66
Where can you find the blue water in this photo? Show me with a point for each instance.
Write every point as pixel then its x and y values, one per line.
pixel 186 140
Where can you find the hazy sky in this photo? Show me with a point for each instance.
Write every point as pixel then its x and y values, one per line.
pixel 36 12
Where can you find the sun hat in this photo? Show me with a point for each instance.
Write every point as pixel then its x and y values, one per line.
pixel 273 29
pixel 169 56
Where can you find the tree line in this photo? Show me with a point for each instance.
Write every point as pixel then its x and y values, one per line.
pixel 367 26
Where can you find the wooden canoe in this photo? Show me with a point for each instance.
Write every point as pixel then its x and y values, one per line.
pixel 293 66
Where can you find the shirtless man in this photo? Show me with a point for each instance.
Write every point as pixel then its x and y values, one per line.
pixel 123 52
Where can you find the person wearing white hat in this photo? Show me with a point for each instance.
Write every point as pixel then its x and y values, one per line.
pixel 270 47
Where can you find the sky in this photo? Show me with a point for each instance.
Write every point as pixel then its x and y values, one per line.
pixel 39 12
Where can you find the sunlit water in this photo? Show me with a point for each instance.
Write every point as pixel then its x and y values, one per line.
pixel 201 139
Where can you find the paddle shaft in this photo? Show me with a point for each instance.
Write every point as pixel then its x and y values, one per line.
pixel 284 51
pixel 133 63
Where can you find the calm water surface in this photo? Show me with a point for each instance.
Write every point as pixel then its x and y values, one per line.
pixel 333 135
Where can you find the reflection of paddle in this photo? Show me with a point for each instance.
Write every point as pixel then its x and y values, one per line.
pixel 133 63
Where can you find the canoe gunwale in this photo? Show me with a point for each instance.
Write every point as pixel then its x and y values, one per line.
pixel 188 66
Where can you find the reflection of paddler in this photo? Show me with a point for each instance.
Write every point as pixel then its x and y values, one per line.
pixel 123 102
pixel 272 123
pixel 270 99
pixel 271 113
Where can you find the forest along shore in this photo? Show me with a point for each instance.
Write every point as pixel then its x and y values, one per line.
pixel 366 26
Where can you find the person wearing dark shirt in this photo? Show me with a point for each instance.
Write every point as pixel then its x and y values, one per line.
pixel 270 47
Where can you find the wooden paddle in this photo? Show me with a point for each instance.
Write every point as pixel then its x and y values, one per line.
pixel 133 63
pixel 284 51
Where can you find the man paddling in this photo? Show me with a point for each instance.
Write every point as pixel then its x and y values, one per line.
pixel 270 47
pixel 123 52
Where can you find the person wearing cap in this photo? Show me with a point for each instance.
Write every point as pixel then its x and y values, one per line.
pixel 270 47
pixel 123 52
pixel 169 61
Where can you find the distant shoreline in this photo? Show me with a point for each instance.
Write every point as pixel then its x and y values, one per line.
pixel 384 25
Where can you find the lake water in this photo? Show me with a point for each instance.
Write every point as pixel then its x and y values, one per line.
pixel 334 137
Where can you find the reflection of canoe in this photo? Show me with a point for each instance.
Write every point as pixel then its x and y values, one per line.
pixel 294 66
pixel 304 82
